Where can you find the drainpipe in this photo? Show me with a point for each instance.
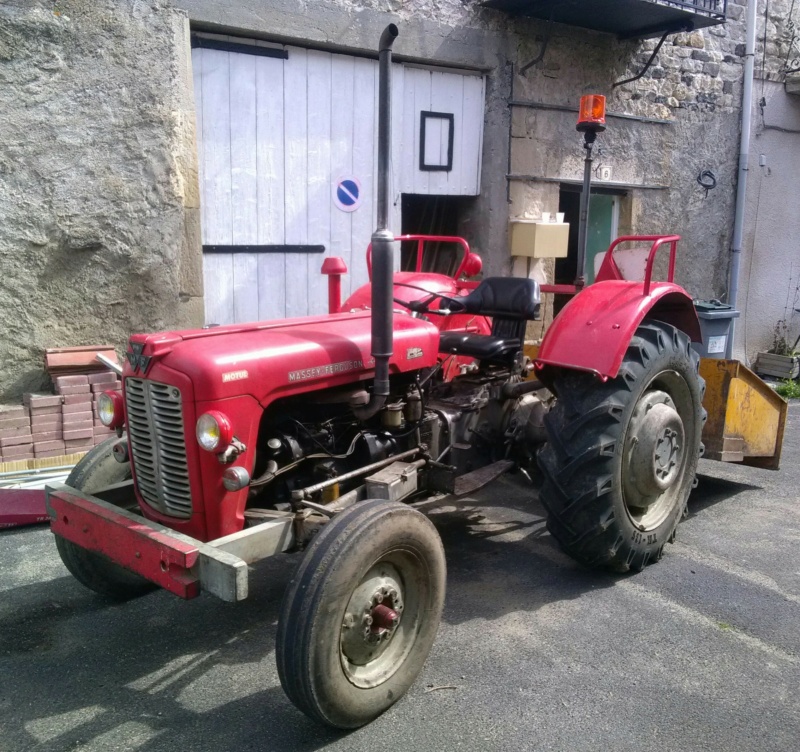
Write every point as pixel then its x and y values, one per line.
pixel 744 151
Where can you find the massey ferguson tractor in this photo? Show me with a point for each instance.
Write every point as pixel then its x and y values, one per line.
pixel 236 443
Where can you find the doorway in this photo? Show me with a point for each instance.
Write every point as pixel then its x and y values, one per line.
pixel 433 215
pixel 603 228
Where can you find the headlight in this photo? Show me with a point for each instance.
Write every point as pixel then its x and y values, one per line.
pixel 213 431
pixel 109 409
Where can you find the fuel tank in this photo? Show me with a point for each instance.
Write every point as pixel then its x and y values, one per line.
pixel 272 359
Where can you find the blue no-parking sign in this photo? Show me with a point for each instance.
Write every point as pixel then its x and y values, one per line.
pixel 347 194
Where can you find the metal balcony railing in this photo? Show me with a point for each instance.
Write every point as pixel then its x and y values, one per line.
pixel 625 18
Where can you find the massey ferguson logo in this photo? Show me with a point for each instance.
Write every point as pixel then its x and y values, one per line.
pixel 136 359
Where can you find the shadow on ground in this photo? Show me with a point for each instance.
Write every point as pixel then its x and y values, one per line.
pixel 135 665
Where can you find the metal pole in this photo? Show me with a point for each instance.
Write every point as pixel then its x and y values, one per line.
pixel 580 272
pixel 744 151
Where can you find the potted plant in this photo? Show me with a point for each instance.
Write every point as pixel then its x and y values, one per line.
pixel 782 359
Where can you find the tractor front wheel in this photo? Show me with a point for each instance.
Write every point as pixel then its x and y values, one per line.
pixel 621 456
pixel 361 613
pixel 98 470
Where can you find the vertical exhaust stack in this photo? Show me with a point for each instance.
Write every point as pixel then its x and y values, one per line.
pixel 382 238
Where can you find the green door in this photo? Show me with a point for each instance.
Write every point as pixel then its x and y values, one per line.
pixel 601 230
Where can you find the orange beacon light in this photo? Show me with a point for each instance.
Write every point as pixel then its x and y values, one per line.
pixel 592 113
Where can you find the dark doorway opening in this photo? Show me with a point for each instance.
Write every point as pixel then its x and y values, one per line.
pixel 602 229
pixel 433 215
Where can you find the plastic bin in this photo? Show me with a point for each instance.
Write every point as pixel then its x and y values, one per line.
pixel 715 326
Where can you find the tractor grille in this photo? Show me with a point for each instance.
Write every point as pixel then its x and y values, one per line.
pixel 155 426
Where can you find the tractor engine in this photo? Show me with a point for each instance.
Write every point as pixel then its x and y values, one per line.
pixel 457 427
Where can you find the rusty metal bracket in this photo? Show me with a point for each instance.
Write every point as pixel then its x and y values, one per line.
pixel 545 42
pixel 647 64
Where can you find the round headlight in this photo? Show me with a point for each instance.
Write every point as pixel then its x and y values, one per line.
pixel 213 431
pixel 109 409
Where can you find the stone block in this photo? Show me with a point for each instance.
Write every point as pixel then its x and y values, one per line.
pixel 41 421
pixel 42 454
pixel 47 446
pixel 15 422
pixel 104 377
pixel 76 389
pixel 20 452
pixel 16 440
pixel 73 445
pixel 49 410
pixel 76 407
pixel 41 400
pixel 75 380
pixel 81 433
pixel 12 411
pixel 47 436
pixel 71 399
pixel 109 387
pixel 7 433
pixel 81 417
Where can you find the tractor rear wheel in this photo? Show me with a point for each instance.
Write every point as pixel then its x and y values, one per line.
pixel 97 470
pixel 361 613
pixel 621 456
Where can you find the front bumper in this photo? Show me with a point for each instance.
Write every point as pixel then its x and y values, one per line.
pixel 180 564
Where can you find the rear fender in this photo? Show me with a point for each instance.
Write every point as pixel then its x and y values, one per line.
pixel 594 329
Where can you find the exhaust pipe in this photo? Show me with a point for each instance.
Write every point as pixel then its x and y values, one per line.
pixel 382 238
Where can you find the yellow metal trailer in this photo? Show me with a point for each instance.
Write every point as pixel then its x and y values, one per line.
pixel 746 418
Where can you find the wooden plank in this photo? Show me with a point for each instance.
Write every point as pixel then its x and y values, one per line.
pixel 343 108
pixel 472 135
pixel 270 172
pixel 365 144
pixel 454 102
pixel 320 92
pixel 398 148
pixel 295 127
pixel 217 225
pixel 197 82
pixel 409 159
pixel 442 100
pixel 421 82
pixel 244 184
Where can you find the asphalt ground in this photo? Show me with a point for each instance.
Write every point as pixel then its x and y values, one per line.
pixel 698 652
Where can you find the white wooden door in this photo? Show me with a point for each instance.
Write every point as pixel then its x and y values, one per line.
pixel 277 136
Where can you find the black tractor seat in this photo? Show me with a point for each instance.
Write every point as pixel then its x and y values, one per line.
pixel 480 346
pixel 511 302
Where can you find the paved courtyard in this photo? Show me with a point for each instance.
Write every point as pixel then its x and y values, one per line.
pixel 699 652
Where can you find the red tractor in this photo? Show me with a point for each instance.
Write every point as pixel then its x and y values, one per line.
pixel 239 442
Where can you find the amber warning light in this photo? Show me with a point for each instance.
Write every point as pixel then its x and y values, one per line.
pixel 592 114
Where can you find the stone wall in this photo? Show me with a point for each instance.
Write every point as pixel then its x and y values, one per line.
pixel 694 85
pixel 99 230
pixel 98 200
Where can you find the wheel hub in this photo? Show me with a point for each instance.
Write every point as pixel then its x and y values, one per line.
pixel 655 450
pixel 372 616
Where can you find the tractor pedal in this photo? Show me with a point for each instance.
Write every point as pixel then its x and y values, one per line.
pixel 479 478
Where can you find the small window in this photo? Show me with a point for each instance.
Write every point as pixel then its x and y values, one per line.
pixel 436 141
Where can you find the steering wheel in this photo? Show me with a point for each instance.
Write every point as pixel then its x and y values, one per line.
pixel 421 306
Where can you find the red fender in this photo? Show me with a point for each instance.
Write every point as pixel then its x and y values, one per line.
pixel 594 329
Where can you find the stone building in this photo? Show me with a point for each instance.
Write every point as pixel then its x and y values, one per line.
pixel 106 120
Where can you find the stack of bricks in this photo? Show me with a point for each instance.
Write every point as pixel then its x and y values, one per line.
pixel 16 439
pixel 79 395
pixel 54 425
pixel 46 424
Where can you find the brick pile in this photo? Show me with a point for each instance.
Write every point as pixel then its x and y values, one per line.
pixel 53 425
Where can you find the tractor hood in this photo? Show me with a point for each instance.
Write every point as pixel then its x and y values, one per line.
pixel 277 358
